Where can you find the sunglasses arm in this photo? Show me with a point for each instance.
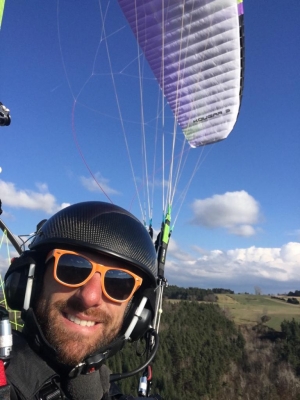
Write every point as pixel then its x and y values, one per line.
pixel 29 287
pixel 136 317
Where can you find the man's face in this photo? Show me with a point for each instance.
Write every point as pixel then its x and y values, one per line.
pixel 77 321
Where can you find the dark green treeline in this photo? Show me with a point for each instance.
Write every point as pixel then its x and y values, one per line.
pixel 192 293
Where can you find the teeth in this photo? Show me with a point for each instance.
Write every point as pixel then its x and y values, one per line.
pixel 79 321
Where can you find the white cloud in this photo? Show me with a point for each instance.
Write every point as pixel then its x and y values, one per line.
pixel 95 185
pixel 290 253
pixel 235 268
pixel 24 198
pixel 235 211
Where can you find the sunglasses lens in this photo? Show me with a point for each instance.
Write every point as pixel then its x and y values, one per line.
pixel 118 284
pixel 73 269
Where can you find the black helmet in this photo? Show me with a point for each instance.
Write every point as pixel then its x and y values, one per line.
pixel 101 227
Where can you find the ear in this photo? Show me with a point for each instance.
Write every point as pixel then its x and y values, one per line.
pixel 15 280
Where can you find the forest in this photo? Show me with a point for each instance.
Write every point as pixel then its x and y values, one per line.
pixel 204 355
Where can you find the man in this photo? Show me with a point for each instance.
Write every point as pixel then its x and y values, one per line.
pixel 86 285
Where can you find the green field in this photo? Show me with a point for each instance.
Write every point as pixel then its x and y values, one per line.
pixel 248 309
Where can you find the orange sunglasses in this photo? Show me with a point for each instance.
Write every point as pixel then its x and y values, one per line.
pixel 74 270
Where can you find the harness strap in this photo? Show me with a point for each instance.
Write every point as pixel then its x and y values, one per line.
pixel 51 391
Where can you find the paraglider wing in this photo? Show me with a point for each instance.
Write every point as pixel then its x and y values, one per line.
pixel 195 50
pixel 4 115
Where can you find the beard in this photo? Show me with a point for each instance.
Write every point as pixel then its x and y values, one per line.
pixel 71 347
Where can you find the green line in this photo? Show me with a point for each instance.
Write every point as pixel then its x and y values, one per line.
pixel 1 11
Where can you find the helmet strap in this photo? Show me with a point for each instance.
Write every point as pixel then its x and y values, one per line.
pixel 136 317
pixel 29 284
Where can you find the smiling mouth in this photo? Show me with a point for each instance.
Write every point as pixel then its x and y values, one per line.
pixel 80 321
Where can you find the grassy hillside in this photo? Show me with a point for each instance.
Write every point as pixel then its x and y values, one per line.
pixel 248 309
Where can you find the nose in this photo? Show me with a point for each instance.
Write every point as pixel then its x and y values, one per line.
pixel 91 294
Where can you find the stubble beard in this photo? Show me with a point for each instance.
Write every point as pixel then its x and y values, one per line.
pixel 71 347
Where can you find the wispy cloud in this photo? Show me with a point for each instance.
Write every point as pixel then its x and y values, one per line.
pixel 295 233
pixel 33 200
pixel 98 184
pixel 235 211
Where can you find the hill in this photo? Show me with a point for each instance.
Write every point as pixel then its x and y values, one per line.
pixel 246 309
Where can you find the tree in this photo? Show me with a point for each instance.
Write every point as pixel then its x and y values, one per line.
pixel 257 290
pixel 211 298
pixel 265 318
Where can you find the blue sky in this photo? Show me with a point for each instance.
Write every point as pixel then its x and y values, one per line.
pixel 239 225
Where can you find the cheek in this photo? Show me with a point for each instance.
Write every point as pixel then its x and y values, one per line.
pixel 122 313
pixel 52 289
pixel 118 310
pixel 53 295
